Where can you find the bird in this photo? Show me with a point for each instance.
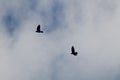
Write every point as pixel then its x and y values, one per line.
pixel 38 29
pixel 73 51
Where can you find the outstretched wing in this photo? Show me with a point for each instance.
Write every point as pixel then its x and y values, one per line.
pixel 38 28
pixel 72 49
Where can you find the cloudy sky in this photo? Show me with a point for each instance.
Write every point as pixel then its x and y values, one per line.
pixel 92 26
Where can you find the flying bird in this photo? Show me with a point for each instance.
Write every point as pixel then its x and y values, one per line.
pixel 38 29
pixel 73 51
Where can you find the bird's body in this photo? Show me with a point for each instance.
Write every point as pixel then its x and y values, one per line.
pixel 73 51
pixel 38 29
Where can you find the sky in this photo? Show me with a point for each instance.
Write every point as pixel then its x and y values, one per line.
pixel 91 26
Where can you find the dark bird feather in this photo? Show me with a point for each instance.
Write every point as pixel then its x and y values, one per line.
pixel 73 51
pixel 39 29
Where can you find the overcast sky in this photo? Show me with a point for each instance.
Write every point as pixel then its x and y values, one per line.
pixel 92 26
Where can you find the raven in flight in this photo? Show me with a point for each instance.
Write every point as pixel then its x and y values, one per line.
pixel 73 51
pixel 38 29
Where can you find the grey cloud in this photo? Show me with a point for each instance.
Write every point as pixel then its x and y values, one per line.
pixel 91 27
pixel 11 21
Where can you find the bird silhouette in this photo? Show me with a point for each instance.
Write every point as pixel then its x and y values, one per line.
pixel 73 51
pixel 38 29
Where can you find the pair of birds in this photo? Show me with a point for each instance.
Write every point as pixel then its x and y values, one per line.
pixel 72 48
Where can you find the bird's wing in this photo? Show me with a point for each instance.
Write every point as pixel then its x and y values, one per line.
pixel 72 49
pixel 38 27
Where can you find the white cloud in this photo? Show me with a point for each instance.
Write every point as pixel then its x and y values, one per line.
pixel 91 26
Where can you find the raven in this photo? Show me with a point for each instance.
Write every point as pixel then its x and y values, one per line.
pixel 73 51
pixel 38 29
